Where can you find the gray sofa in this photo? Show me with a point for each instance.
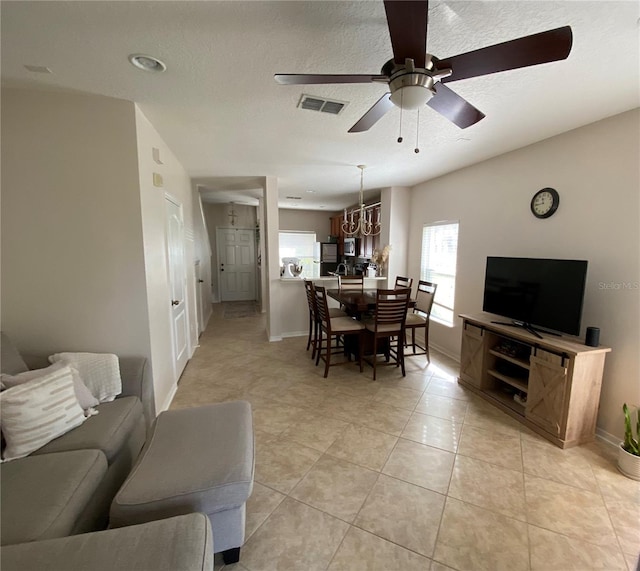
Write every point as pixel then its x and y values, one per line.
pixel 55 502
pixel 179 543
pixel 66 487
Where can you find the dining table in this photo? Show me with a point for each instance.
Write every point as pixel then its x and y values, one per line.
pixel 357 302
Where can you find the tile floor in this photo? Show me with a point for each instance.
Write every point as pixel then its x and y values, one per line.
pixel 409 473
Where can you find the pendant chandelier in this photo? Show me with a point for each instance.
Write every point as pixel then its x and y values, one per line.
pixel 232 215
pixel 362 224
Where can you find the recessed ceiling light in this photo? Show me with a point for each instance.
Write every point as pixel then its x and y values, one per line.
pixel 147 63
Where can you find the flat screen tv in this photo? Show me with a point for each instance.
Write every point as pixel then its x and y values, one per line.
pixel 536 293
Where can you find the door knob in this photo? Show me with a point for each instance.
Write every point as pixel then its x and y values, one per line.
pixel 175 302
pixel 200 281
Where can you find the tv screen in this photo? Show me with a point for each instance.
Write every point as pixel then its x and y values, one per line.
pixel 536 292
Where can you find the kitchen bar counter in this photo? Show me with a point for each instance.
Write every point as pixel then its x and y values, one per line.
pixel 368 282
pixel 293 318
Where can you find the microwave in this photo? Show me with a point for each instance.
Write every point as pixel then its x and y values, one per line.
pixel 350 246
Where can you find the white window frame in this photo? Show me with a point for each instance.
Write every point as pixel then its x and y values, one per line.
pixel 440 267
pixel 310 268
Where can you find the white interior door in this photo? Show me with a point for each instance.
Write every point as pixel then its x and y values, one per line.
pixel 236 263
pixel 177 285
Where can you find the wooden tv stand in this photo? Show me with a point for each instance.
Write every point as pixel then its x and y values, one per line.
pixel 555 380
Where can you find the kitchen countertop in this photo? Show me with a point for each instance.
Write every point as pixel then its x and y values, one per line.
pixel 335 275
pixel 326 278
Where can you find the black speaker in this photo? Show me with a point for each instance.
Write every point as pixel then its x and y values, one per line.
pixel 593 337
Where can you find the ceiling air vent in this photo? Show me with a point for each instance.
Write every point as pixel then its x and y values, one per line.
pixel 314 103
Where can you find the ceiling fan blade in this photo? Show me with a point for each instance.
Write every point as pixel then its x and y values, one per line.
pixel 552 45
pixel 450 105
pixel 407 22
pixel 302 79
pixel 370 118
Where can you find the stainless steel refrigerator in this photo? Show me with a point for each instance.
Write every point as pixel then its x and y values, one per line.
pixel 328 257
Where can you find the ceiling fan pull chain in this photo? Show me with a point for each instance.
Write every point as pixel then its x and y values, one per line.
pixel 400 134
pixel 417 150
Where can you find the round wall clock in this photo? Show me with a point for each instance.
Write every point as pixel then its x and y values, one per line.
pixel 545 202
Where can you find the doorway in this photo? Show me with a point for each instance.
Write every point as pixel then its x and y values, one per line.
pixel 236 263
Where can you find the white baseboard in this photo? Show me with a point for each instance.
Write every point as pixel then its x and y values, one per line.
pixel 288 334
pixel 295 334
pixel 207 318
pixel 435 346
pixel 168 400
pixel 445 352
pixel 607 438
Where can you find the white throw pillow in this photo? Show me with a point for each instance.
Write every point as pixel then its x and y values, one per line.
pixel 85 398
pixel 34 413
pixel 99 371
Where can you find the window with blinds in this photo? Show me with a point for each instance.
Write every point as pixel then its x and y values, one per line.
pixel 300 245
pixel 438 265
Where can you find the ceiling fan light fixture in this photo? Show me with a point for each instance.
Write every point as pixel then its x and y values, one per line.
pixel 411 96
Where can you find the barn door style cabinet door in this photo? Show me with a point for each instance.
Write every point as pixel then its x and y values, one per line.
pixel 552 385
pixel 546 399
pixel 471 356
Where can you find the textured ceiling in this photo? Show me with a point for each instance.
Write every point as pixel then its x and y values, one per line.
pixel 220 111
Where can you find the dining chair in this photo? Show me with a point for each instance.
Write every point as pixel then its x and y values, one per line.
pixel 333 328
pixel 351 282
pixel 402 282
pixel 314 321
pixel 419 317
pixel 389 324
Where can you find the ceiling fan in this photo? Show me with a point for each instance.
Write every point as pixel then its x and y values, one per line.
pixel 416 77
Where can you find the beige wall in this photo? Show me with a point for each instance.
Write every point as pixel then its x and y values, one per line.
pixel 273 294
pixel 203 254
pixel 306 221
pixel 396 212
pixel 177 185
pixel 83 230
pixel 596 171
pixel 72 254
